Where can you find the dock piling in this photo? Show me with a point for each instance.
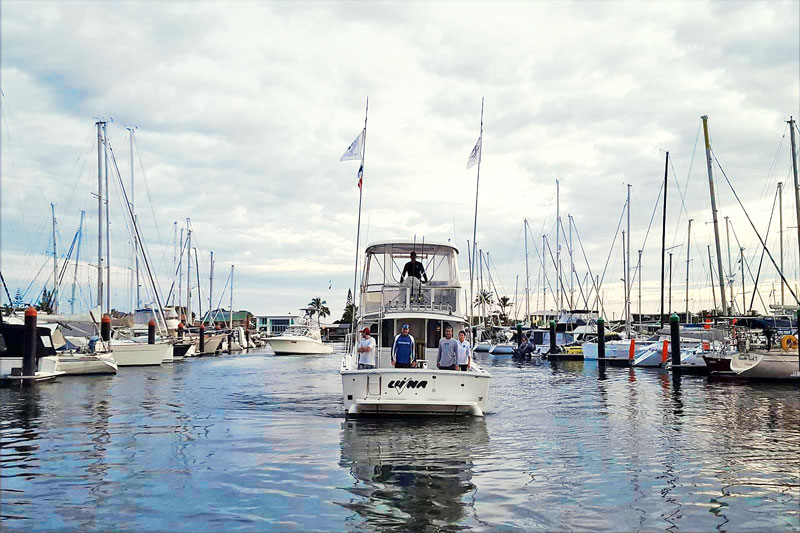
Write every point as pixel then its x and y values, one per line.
pixel 105 328
pixel 675 340
pixel 202 339
pixel 519 335
pixel 29 343
pixel 180 330
pixel 151 332
pixel 601 338
pixel 553 345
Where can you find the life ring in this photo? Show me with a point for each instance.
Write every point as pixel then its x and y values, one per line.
pixel 788 342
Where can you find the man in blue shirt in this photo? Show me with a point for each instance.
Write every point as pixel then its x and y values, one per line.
pixel 403 349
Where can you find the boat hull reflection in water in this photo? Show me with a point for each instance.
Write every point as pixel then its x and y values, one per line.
pixel 412 475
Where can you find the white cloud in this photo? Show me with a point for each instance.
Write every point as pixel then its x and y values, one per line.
pixel 243 110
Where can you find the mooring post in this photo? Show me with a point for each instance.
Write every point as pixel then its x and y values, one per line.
pixel 675 340
pixel 202 338
pixel 105 328
pixel 601 338
pixel 151 332
pixel 553 345
pixel 798 337
pixel 247 337
pixel 519 335
pixel 180 330
pixel 29 343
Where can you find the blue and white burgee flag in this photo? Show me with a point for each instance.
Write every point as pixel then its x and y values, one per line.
pixel 475 155
pixel 355 150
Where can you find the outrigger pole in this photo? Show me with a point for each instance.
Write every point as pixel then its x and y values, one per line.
pixel 358 231
pixel 479 146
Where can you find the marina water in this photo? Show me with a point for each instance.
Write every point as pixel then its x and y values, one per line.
pixel 258 442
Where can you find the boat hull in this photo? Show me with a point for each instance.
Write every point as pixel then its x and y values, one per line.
pixel 135 354
pixel 73 365
pixel 765 365
pixel 288 345
pixel 415 392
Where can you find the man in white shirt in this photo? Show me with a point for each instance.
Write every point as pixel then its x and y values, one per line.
pixel 464 351
pixel 366 351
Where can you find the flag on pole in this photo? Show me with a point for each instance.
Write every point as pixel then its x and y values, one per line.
pixel 360 175
pixel 355 150
pixel 475 155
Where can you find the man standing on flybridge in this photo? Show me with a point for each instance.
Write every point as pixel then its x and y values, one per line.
pixel 414 268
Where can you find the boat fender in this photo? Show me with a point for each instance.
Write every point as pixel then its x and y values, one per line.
pixel 788 342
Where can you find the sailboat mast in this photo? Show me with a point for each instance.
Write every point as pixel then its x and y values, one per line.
pixel 211 284
pixel 189 272
pixel 527 274
pixel 711 274
pixel 625 286
pixel 54 293
pixel 796 185
pixel 99 301
pixel 688 253
pixel 135 238
pixel 639 274
pixel 664 235
pixel 544 279
pixel 77 257
pixel 231 311
pixel 108 222
pixel 571 266
pixel 628 281
pixel 730 265
pixel 174 255
pixel 558 249
pixel 741 261
pixel 714 213
pixel 780 232
pixel 792 127
pixel 180 274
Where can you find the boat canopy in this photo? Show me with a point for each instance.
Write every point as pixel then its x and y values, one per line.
pixel 383 292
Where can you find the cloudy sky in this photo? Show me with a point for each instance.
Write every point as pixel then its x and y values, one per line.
pixel 244 108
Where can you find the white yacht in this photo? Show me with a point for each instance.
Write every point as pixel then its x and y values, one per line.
pixel 300 338
pixel 428 308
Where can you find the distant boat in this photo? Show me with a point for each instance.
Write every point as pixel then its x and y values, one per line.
pixel 302 338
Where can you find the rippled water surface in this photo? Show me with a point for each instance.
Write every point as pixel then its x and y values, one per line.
pixel 257 442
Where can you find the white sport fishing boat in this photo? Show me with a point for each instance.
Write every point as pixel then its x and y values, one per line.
pixel 302 338
pixel 428 308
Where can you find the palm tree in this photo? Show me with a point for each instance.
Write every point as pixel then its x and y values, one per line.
pixel 349 314
pixel 320 307
pixel 484 297
pixel 46 301
pixel 504 303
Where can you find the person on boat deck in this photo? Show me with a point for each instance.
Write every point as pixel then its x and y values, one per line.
pixel 448 351
pixel 464 351
pixel 366 351
pixel 403 349
pixel 414 268
pixel 526 348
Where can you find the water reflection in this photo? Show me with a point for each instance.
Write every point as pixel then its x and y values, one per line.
pixel 411 476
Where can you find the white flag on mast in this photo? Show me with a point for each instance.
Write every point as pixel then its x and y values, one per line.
pixel 355 150
pixel 475 155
